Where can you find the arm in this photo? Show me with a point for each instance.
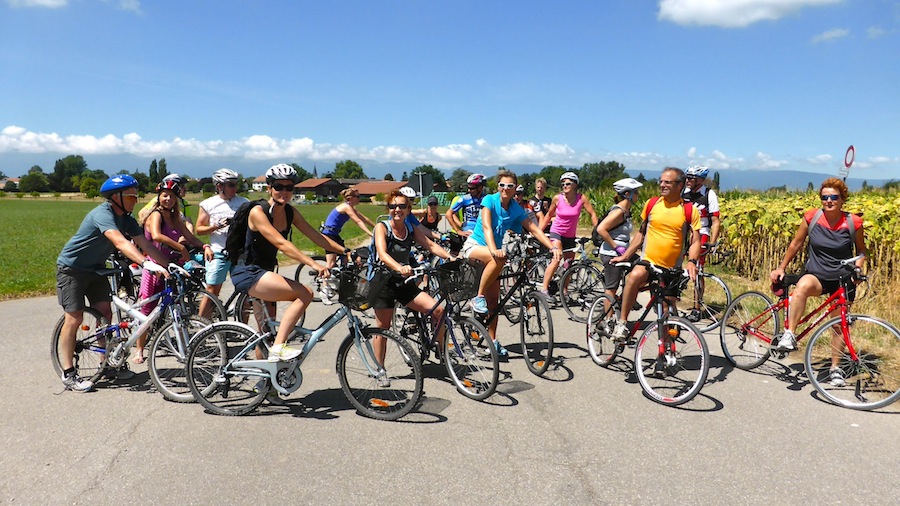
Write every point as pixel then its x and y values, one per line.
pixel 260 222
pixel 860 245
pixel 314 235
pixel 551 212
pixel 422 235
pixel 793 249
pixel 693 253
pixel 488 230
pixel 715 225
pixel 358 218
pixel 453 220
pixel 154 226
pixel 590 209
pixel 615 216
pixel 542 238
pixel 203 227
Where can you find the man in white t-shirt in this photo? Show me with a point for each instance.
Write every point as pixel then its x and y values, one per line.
pixel 213 219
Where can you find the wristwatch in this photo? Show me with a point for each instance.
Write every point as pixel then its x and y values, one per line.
pixel 693 261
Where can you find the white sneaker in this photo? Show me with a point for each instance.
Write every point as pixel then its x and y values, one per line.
pixel 837 378
pixel 787 342
pixel 620 332
pixel 283 352
pixel 325 297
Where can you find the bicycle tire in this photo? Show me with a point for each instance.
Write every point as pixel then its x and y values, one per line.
pixel 356 367
pixel 536 333
pixel 191 300
pixel 748 329
pixel 90 352
pixel 873 381
pixel 714 300
pixel 219 389
pixel 406 325
pixel 167 358
pixel 602 318
pixel 303 268
pixel 674 382
pixel 472 362
pixel 512 310
pixel 580 285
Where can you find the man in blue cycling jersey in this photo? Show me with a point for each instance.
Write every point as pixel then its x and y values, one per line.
pixel 470 205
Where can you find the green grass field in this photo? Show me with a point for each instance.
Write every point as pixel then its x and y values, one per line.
pixel 34 230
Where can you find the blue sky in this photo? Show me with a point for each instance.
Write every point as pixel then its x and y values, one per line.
pixel 736 85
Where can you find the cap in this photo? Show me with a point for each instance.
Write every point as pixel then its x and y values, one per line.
pixel 432 200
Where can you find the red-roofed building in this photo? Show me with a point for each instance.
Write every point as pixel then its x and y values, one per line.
pixel 324 188
pixel 368 189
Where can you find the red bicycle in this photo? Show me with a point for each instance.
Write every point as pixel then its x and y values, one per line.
pixel 853 360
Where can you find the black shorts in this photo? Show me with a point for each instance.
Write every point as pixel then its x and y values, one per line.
pixel 73 285
pixel 612 275
pixel 395 290
pixel 245 276
pixel 568 243
pixel 829 286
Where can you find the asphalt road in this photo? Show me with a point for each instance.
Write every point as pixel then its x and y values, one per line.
pixel 582 435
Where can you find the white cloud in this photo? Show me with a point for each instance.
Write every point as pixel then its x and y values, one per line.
pixel 731 13
pixel 828 36
pixel 874 32
pixel 48 4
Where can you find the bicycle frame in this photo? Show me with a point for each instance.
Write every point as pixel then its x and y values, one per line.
pixel 837 300
pixel 273 369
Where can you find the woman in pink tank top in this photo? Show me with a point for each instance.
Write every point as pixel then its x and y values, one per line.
pixel 565 210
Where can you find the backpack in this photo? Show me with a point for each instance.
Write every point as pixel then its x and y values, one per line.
pixel 236 242
pixel 685 229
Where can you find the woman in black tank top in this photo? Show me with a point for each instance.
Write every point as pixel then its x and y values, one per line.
pixel 267 234
pixel 393 240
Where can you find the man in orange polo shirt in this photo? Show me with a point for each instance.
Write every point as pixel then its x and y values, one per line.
pixel 662 236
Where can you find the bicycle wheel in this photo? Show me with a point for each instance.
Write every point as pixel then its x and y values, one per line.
pixel 704 301
pixel 359 372
pixel 513 307
pixel 581 285
pixel 674 372
pixel 748 328
pixel 191 301
pixel 536 333
pixel 168 356
pixel 471 358
pixel 405 325
pixel 602 318
pixel 870 382
pixel 90 346
pixel 221 388
pixel 304 274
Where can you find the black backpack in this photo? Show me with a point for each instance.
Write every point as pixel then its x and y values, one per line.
pixel 236 241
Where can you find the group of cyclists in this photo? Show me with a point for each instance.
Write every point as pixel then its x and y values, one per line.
pixel 677 227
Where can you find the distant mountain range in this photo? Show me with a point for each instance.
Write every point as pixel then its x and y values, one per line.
pixel 17 164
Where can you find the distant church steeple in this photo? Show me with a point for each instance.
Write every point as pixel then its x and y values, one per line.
pixel 315 172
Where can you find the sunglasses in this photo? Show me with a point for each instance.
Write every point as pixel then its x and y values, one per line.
pixel 283 187
pixel 432 204
pixel 567 183
pixel 130 196
pixel 691 178
pixel 507 186
pixel 397 206
pixel 826 198
pixel 230 185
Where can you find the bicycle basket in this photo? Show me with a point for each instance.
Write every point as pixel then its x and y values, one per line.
pixel 458 280
pixel 353 289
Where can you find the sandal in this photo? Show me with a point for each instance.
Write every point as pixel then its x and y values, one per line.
pixel 139 359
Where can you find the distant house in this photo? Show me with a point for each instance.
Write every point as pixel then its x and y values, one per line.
pixel 324 188
pixel 259 184
pixel 370 187
pixel 6 180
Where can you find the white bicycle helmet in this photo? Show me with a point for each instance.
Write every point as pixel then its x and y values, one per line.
pixel 476 180
pixel 282 171
pixel 571 176
pixel 224 175
pixel 697 171
pixel 408 192
pixel 627 184
pixel 520 189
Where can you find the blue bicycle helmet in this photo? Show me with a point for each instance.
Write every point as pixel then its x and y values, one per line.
pixel 117 183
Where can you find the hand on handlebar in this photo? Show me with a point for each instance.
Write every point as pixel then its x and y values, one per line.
pixel 151 266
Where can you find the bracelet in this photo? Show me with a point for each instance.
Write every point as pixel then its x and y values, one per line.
pixel 206 246
pixel 693 261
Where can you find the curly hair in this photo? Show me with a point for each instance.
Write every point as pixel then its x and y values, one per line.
pixel 836 184
pixel 396 193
